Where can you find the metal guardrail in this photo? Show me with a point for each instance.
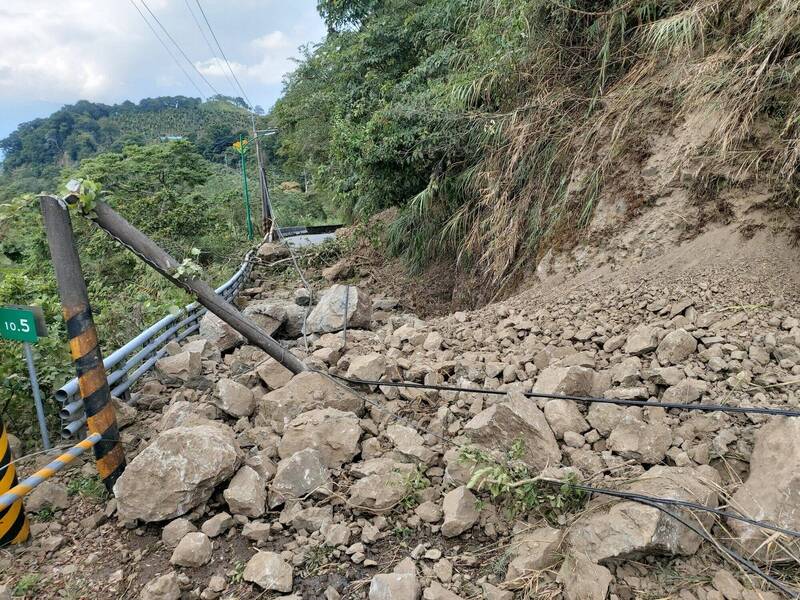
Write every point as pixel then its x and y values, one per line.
pixel 127 364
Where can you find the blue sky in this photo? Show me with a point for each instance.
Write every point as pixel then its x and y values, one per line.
pixel 55 52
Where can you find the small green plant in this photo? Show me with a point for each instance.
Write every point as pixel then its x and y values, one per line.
pixel 27 583
pixel 238 572
pixel 87 487
pixel 414 483
pixel 511 482
pixel 87 192
pixel 403 533
pixel 316 558
pixel 45 515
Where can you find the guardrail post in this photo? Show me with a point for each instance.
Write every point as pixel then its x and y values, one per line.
pixel 83 343
pixel 14 526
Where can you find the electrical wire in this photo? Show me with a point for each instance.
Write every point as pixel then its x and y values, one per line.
pixel 750 410
pixel 178 46
pixel 174 58
pixel 208 44
pixel 227 62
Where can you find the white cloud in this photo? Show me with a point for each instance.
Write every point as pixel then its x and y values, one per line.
pixel 277 40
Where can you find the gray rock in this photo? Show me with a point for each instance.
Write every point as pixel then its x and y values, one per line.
pixel 394 586
pixel 246 493
pixel 605 417
pixel 174 531
pixel 49 494
pixel 676 347
pixel 576 381
pixel 383 483
pixel 194 550
pixel 563 416
pixel 270 572
pixel 219 333
pixel 333 432
pixel 180 368
pixel 646 442
pixel 312 518
pixel 178 471
pixel 612 529
pixel 272 251
pixel 685 391
pixel 771 491
pixel 217 525
pixel 491 592
pixel 437 591
pixel 627 372
pixel 410 443
pixel 641 340
pixel 460 511
pixel 274 374
pixel 533 551
pixel 234 398
pixel 518 418
pixel 328 315
pixel 164 587
pixel 125 413
pixel 582 579
pixel 267 315
pixel 302 473
pixel 370 367
pixel 306 391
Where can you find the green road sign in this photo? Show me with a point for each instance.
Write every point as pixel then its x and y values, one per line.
pixel 22 323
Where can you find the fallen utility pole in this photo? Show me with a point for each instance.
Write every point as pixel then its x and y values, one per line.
pixel 142 246
pixel 83 341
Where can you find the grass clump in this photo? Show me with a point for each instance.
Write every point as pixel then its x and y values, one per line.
pixel 510 482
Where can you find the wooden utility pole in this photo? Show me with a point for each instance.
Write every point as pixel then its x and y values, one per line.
pixel 142 246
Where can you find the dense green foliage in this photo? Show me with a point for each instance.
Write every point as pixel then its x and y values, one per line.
pixel 494 124
pixel 86 128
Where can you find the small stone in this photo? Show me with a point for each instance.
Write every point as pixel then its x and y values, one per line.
pixel 270 572
pixel 164 587
pixel 194 550
pixel 234 398
pixel 676 347
pixel 460 511
pixel 175 530
pixel 246 493
pixel 394 586
pixel 583 580
pixel 217 525
pixel 49 494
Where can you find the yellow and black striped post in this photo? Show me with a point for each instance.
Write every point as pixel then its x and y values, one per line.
pixel 83 342
pixel 14 528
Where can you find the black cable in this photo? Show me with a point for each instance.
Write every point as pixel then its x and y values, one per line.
pixel 178 46
pixel 227 62
pixel 177 62
pixel 750 566
pixel 633 496
pixel 753 410
pixel 208 43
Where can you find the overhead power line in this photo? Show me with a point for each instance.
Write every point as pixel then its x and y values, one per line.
pixel 180 49
pixel 222 52
pixel 208 44
pixel 166 47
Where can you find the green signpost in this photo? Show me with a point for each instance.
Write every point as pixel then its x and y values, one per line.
pixel 26 324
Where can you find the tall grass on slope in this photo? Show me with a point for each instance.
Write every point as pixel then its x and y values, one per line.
pixel 552 107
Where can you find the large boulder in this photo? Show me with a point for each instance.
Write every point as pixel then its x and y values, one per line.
pixel 613 528
pixel 306 391
pixel 518 418
pixel 333 432
pixel 219 333
pixel 177 472
pixel 329 314
pixel 771 492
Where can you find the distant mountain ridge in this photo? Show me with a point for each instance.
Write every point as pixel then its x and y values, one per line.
pixel 84 129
